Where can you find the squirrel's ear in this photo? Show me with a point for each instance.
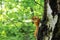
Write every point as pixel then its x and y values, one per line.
pixel 35 17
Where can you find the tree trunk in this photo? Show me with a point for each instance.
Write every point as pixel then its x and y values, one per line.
pixel 51 19
pixel 56 33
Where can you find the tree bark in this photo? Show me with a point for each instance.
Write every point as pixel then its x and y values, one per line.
pixel 51 19
pixel 56 33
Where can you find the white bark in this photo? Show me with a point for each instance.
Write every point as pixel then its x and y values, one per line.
pixel 51 23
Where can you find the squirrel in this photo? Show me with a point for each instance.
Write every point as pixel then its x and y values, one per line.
pixel 36 21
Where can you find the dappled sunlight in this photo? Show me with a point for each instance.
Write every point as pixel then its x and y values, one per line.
pixel 16 19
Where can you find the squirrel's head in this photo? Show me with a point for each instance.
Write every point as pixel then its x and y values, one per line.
pixel 35 19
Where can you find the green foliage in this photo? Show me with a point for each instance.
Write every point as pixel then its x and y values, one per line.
pixel 12 14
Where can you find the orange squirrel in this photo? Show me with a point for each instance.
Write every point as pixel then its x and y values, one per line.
pixel 36 21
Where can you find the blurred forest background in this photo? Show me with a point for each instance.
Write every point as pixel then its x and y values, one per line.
pixel 13 13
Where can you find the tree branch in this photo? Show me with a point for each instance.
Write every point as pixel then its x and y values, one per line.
pixel 38 3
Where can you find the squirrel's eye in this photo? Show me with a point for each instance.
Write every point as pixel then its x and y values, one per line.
pixel 33 19
pixel 36 18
